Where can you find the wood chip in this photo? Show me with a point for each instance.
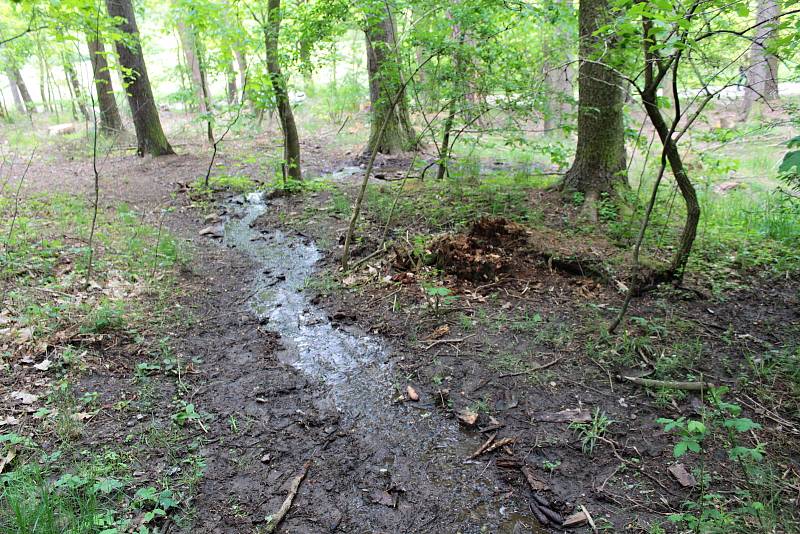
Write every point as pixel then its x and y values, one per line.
pixel 412 393
pixel 684 477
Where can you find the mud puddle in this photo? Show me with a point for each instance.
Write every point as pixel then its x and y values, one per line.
pixel 411 449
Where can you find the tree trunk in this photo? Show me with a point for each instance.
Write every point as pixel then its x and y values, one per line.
pixel 12 83
pixel 110 120
pixel 190 51
pixel 599 164
pixel 385 84
pixel 149 133
pixel 72 76
pixel 762 73
pixel 291 141
pixel 72 98
pixel 232 88
pixel 681 257
pixel 30 107
pixel 43 88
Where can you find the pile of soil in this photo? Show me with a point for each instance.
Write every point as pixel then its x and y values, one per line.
pixel 495 245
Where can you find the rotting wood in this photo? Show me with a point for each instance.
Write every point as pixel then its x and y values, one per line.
pixel 276 519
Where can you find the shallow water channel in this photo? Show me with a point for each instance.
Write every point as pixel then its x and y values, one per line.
pixel 412 439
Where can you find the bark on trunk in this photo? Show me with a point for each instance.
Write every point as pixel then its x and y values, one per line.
pixel 149 133
pixel 15 94
pixel 385 84
pixel 599 164
pixel 72 76
pixel 762 73
pixel 43 88
pixel 190 51
pixel 232 88
pixel 291 141
pixel 110 120
pixel 16 75
pixel 681 257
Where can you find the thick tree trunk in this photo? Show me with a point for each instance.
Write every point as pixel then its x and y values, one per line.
pixel 15 91
pixel 16 75
pixel 149 133
pixel 110 120
pixel 599 164
pixel 386 86
pixel 291 141
pixel 762 73
pixel 72 76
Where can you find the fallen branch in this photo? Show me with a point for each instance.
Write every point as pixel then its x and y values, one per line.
pixel 671 384
pixel 276 519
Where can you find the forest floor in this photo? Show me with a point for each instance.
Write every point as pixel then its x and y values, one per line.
pixel 463 382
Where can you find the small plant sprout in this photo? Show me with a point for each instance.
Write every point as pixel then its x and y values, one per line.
pixel 592 431
pixel 438 297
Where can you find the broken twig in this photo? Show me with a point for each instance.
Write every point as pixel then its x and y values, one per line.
pixel 491 445
pixel 274 520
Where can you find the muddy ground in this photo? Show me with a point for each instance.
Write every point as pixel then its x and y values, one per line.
pixel 325 375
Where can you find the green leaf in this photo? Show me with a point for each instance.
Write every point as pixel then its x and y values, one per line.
pixel 70 481
pixel 680 449
pixel 741 424
pixel 742 9
pixel 693 446
pixel 147 494
pixel 108 485
pixel 791 162
pixel 794 142
pixel 696 427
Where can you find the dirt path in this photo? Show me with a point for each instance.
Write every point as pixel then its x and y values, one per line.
pixel 282 384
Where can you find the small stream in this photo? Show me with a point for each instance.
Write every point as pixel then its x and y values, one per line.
pixel 354 367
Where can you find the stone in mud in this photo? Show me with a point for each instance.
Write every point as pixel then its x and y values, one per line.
pixel 216 231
